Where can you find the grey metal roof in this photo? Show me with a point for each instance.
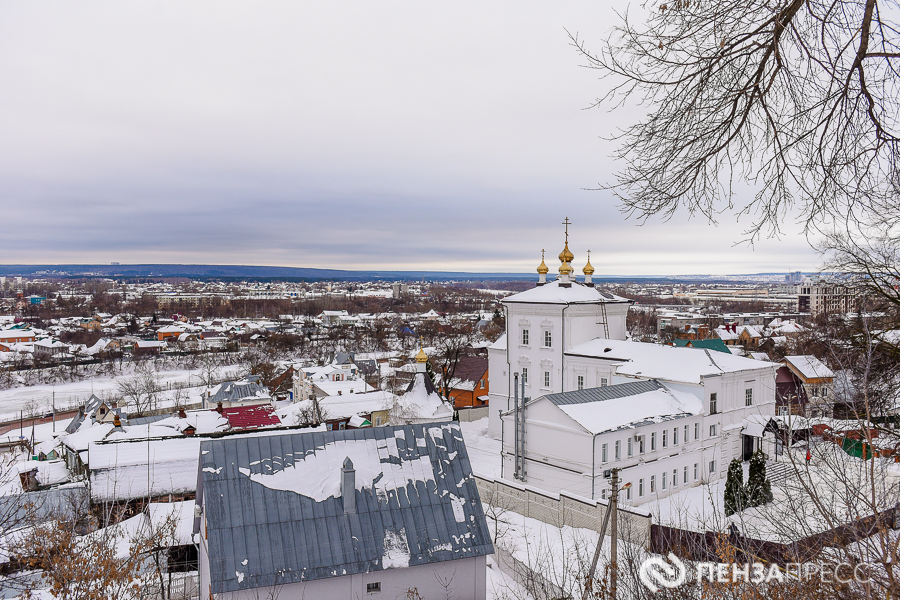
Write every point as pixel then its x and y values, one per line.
pixel 232 391
pixel 609 392
pixel 261 536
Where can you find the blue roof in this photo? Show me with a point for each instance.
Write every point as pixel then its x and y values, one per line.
pixel 274 514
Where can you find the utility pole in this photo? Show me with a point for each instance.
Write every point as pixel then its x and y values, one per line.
pixel 611 509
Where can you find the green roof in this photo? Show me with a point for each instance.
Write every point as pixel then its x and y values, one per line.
pixel 711 344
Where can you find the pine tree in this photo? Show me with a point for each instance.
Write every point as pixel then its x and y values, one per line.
pixel 759 490
pixel 735 494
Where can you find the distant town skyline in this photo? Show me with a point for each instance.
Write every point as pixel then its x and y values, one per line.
pixel 400 136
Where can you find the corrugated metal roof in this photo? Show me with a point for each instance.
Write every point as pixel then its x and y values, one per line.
pixel 605 393
pixel 267 527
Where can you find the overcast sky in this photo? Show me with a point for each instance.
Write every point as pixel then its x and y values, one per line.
pixel 388 135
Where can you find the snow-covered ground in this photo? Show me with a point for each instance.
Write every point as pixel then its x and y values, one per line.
pixel 484 451
pixel 38 399
pixel 842 485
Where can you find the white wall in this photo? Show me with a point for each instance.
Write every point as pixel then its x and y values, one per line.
pixel 569 326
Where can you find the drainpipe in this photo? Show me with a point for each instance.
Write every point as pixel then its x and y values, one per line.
pixel 563 355
pixel 593 462
pixel 516 420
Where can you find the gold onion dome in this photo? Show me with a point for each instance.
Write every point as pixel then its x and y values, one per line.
pixel 588 269
pixel 543 269
pixel 566 255
pixel 421 357
pixel 566 269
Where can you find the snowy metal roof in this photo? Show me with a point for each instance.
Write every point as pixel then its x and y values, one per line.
pixel 275 514
pixel 609 392
pixel 555 293
pixel 656 361
pixel 809 366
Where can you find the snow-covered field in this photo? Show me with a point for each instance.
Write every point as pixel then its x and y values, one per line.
pixel 38 399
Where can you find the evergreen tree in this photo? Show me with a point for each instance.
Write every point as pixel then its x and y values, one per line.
pixel 759 490
pixel 735 494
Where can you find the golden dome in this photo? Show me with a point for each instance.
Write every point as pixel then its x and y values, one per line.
pixel 421 357
pixel 542 269
pixel 566 269
pixel 588 269
pixel 566 255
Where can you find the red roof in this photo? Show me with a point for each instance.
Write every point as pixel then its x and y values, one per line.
pixel 251 417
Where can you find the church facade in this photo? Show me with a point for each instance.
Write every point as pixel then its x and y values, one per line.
pixel 667 417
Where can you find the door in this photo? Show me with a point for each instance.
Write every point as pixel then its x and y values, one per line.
pixel 748 447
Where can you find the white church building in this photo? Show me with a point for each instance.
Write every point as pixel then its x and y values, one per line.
pixel 667 417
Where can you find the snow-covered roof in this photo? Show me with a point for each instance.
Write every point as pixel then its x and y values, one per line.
pixel 555 293
pixel 656 361
pixel 625 405
pixel 343 406
pixel 125 470
pixel 809 366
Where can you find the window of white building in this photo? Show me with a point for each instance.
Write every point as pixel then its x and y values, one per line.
pixel 674 477
pixel 603 382
pixel 525 375
pixel 712 466
pixel 641 488
pixel 524 337
pixel 748 397
pixel 687 437
pixel 664 480
pixel 652 483
pixel 618 449
pixel 581 382
pixel 603 454
pixel 630 449
pixel 675 437
pixel 546 379
pixel 652 441
pixel 713 401
pixel 712 431
pixel 548 339
pixel 695 471
pixel 685 477
pixel 665 438
pixel 696 431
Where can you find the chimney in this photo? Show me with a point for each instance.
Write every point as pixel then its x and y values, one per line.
pixel 116 421
pixel 181 413
pixel 348 486
pixel 115 404
pixel 219 408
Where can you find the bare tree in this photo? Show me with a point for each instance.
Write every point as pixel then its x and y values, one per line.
pixel 798 98
pixel 142 390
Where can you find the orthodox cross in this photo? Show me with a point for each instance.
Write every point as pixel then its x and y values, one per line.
pixel 567 223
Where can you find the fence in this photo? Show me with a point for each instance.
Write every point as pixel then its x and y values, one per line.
pixel 562 509
pixel 709 546
pixel 181 586
pixel 472 413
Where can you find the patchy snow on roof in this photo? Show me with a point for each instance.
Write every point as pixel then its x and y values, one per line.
pixel 656 361
pixel 554 293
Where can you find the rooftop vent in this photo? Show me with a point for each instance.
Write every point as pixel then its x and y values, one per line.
pixel 348 486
